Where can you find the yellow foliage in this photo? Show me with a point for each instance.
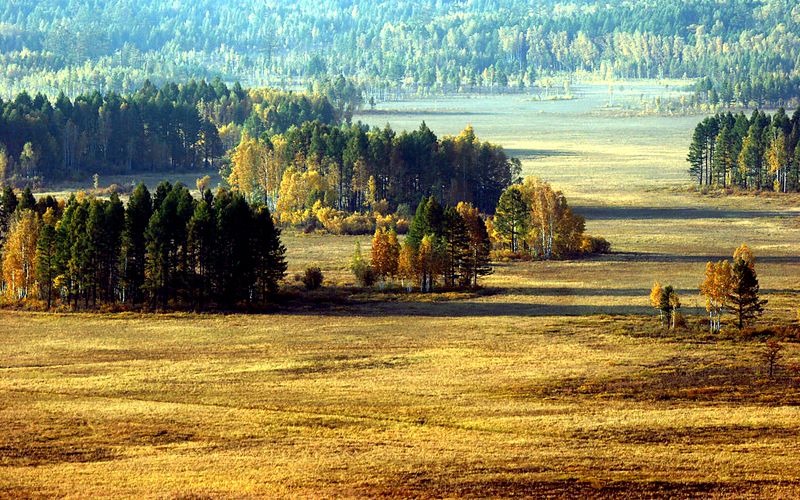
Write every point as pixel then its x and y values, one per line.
pixel 19 256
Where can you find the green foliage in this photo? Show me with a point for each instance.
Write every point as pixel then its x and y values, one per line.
pixel 746 49
pixel 756 153
pixel 743 299
pixel 312 278
pixel 512 217
pixel 174 127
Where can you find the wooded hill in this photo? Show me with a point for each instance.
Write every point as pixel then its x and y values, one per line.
pixel 748 48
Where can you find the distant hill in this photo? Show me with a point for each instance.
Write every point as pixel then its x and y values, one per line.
pixel 749 49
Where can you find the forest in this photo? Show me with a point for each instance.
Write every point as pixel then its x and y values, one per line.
pixel 748 49
pixel 176 127
pixel 315 167
pixel 164 250
pixel 756 153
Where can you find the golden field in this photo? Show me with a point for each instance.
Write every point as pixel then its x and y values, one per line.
pixel 554 381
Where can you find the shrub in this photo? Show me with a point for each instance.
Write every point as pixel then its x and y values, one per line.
pixel 365 275
pixel 312 278
pixel 357 224
pixel 595 244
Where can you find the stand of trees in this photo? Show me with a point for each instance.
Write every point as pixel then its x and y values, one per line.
pixel 732 287
pixel 176 127
pixel 355 168
pixel 115 45
pixel 756 153
pixel 535 220
pixel 445 247
pixel 162 251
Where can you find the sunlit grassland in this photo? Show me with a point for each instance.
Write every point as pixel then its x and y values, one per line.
pixel 555 380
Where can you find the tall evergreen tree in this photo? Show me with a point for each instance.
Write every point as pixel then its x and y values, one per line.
pixel 137 218
pixel 743 300
pixel 512 217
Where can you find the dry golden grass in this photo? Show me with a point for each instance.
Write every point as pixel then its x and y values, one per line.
pixel 555 381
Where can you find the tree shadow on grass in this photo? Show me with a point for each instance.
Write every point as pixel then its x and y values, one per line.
pixel 595 213
pixel 674 258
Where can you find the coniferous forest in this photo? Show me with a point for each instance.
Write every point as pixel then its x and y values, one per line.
pixel 758 153
pixel 163 250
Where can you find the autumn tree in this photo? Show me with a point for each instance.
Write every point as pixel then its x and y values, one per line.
pixel 476 262
pixel 655 300
pixel 385 252
pixel 407 265
pixel 715 288
pixel 19 255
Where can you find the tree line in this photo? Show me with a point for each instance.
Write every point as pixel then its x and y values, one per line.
pixel 161 251
pixel 116 45
pixel 175 127
pixel 756 153
pixel 356 168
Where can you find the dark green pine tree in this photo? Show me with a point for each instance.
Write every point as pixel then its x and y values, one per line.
pixel 235 253
pixel 742 300
pixel 480 248
pixel 418 227
pixel 512 216
pixel 27 200
pixel 428 220
pixel 46 266
pixel 8 204
pixel 269 256
pixel 696 155
pixel 115 225
pixel 201 242
pixel 64 243
pixel 456 245
pixel 137 218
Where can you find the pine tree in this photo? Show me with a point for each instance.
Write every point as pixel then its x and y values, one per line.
pixel 743 300
pixel 269 253
pixel 512 217
pixel 46 254
pixel 456 246
pixel 27 200
pixel 201 241
pixel 137 218
pixel 8 204
pixel 696 156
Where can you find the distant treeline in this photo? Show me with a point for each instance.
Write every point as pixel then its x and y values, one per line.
pixel 756 153
pixel 162 251
pixel 174 127
pixel 317 166
pixel 432 46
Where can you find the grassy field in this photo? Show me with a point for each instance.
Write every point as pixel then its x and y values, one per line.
pixel 554 381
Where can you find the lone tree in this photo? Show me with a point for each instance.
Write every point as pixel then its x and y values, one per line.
pixel 743 300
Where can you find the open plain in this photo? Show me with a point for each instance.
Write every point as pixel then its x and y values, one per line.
pixel 553 380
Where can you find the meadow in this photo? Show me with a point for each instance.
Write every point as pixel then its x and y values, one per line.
pixel 554 380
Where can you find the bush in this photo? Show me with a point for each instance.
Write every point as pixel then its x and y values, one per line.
pixel 312 278
pixel 595 244
pixel 365 275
